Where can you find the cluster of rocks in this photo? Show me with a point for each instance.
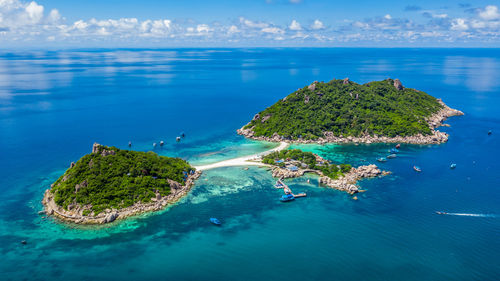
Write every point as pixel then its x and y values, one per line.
pixel 436 137
pixel 96 148
pixel 74 212
pixel 348 182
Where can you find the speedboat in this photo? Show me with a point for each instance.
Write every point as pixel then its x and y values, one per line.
pixel 393 150
pixel 215 221
pixel 287 197
pixel 441 213
pixel 390 156
pixel 178 138
pixel 417 168
pixel 381 159
pixel 453 166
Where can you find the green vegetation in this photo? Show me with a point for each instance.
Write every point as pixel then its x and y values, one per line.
pixel 330 170
pixel 114 178
pixel 375 108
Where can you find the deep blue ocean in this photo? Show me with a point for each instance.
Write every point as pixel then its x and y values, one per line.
pixel 55 104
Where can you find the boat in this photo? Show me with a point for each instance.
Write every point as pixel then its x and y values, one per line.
pixel 393 150
pixel 182 134
pixel 398 145
pixel 129 144
pixel 453 166
pixel 161 143
pixel 215 221
pixel 417 168
pixel 390 156
pixel 441 213
pixel 381 159
pixel 287 197
pixel 178 138
pixel 490 132
pixel 154 144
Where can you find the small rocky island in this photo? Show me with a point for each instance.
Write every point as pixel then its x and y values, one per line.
pixel 110 184
pixel 293 163
pixel 342 111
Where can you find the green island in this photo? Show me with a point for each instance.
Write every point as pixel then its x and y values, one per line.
pixel 344 111
pixel 110 183
pixel 291 163
pixel 306 160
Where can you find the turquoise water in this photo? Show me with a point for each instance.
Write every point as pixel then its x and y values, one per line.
pixel 55 104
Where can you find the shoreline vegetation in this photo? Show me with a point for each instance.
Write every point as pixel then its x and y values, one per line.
pixel 294 163
pixel 342 111
pixel 98 188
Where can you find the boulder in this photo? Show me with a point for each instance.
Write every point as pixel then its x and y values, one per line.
pixel 398 85
pixel 80 185
pixel 72 165
pixel 95 147
pixel 106 152
pixel 306 99
pixel 312 87
pixel 111 217
pixel 345 81
pixel 265 118
pixel 256 116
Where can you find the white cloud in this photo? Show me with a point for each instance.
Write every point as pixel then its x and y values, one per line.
pixel 273 30
pixel 233 29
pixel 317 25
pixel 54 16
pixel 459 24
pixel 22 21
pixel 489 13
pixel 252 24
pixel 35 11
pixel 295 25
pixel 203 28
pixel 439 16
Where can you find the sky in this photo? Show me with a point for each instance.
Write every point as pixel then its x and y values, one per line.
pixel 249 23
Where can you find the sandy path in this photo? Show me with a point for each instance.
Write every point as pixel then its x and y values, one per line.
pixel 242 161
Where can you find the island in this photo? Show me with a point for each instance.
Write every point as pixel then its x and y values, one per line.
pixel 111 183
pixel 342 111
pixel 291 163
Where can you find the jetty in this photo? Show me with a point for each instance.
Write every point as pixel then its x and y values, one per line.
pixel 287 189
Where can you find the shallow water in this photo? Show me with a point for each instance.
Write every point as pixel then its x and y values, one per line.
pixel 54 105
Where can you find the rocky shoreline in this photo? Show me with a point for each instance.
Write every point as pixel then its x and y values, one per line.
pixel 436 137
pixel 348 182
pixel 345 183
pixel 75 214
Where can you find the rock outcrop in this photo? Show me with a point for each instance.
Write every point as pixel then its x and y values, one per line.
pixel 398 85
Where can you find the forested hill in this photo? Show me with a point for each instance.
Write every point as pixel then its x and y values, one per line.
pixel 383 108
pixel 113 178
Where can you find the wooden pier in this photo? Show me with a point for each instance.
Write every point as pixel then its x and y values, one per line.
pixel 287 189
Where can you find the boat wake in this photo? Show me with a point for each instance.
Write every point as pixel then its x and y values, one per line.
pixel 471 215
